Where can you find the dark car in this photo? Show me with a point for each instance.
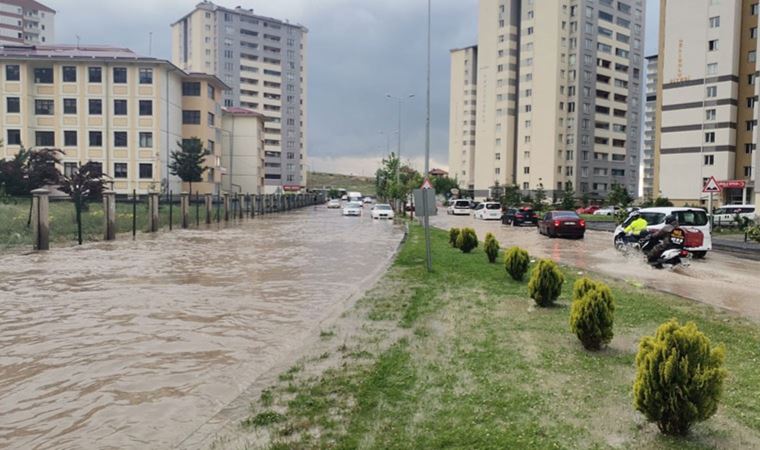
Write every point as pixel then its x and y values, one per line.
pixel 562 224
pixel 519 216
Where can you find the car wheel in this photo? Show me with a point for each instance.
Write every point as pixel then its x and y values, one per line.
pixel 699 255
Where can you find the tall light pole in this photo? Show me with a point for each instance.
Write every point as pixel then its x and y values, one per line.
pixel 425 215
pixel 400 101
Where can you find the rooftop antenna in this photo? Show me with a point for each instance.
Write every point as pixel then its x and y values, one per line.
pixel 77 41
pixel 150 44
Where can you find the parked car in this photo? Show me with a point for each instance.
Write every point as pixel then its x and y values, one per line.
pixel 725 216
pixel 562 224
pixel 367 200
pixel 333 204
pixel 519 216
pixel 382 211
pixel 488 211
pixel 607 211
pixel 588 209
pixel 691 219
pixel 459 208
pixel 352 209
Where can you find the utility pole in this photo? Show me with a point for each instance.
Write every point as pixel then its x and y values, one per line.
pixel 400 101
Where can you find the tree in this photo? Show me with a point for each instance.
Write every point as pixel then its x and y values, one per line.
pixel 538 200
pixel 568 197
pixel 511 196
pixel 619 196
pixel 86 183
pixel 662 202
pixel 43 168
pixel 189 163
pixel 444 185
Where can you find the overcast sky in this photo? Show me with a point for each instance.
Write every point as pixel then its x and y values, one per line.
pixel 358 50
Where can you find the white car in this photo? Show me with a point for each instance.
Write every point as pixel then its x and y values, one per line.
pixel 488 211
pixel 608 211
pixel 459 208
pixel 382 211
pixel 724 216
pixel 367 200
pixel 352 209
pixel 689 219
pixel 333 204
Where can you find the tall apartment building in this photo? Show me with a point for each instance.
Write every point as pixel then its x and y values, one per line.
pixel 121 110
pixel 26 22
pixel 263 60
pixel 464 73
pixel 707 92
pixel 650 119
pixel 558 95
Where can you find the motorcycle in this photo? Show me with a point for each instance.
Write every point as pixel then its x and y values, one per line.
pixel 674 256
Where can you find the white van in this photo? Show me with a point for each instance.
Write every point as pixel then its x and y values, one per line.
pixel 688 218
pixel 459 208
pixel 725 215
pixel 355 197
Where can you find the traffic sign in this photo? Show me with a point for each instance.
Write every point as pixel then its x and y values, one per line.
pixel 426 184
pixel 732 184
pixel 712 186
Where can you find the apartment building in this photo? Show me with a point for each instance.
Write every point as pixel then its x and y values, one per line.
pixel 116 108
pixel 243 150
pixel 707 92
pixel 26 22
pixel 650 119
pixel 464 72
pixel 263 60
pixel 558 95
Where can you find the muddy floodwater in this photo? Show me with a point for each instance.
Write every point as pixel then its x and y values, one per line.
pixel 137 344
pixel 721 280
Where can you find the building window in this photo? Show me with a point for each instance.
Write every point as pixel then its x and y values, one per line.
pixel 191 117
pixel 748 169
pixel 753 33
pixel 709 160
pixel 146 76
pixel 120 139
pixel 120 170
pixel 710 114
pixel 146 107
pixel 526 170
pixel 751 124
pixel 753 9
pixel 119 75
pixel 191 89
pixel 69 168
pixel 14 137
pixel 96 138
pixel 712 45
pixel 12 72
pixel 752 56
pixel 43 75
pixel 44 107
pixel 119 107
pixel 44 139
pixel 69 138
pixel 712 91
pixel 211 119
pixel 95 74
pixel 715 22
pixel 712 68
pixel 146 140
pixel 146 171
pixel 12 105
pixel 69 106
pixel 69 74
pixel 95 107
pixel 710 137
pixel 211 92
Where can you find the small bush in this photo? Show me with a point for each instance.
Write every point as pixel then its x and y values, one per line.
pixel 516 261
pixel 491 247
pixel 264 419
pixel 545 283
pixel 591 315
pixel 679 377
pixel 453 235
pixel 467 240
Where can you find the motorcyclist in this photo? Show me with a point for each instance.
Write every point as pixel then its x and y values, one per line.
pixel 637 229
pixel 663 238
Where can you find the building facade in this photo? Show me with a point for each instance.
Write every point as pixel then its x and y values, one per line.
pixel 650 119
pixel 26 22
pixel 243 150
pixel 558 95
pixel 263 60
pixel 464 64
pixel 707 92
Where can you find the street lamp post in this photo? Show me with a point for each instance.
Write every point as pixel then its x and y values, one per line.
pixel 425 215
pixel 400 101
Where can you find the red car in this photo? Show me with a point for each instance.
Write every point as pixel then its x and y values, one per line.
pixel 562 224
pixel 587 210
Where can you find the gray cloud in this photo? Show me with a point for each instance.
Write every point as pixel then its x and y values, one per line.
pixel 358 50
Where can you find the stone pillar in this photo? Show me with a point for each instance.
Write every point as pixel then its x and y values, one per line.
pixel 184 207
pixel 41 219
pixel 226 205
pixel 109 215
pixel 241 206
pixel 209 205
pixel 153 212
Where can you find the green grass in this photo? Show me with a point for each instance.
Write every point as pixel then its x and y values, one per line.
pixel 63 230
pixel 461 358
pixel 593 218
pixel 365 185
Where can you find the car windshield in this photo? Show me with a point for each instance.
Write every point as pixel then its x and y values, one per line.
pixel 383 207
pixel 493 206
pixel 695 218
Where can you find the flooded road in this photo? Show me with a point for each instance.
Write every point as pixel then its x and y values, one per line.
pixel 720 280
pixel 136 344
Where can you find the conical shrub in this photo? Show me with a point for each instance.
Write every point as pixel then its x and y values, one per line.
pixel 545 283
pixel 679 377
pixel 516 262
pixel 467 240
pixel 491 247
pixel 453 235
pixel 591 314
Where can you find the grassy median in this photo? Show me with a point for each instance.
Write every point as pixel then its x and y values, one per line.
pixel 461 358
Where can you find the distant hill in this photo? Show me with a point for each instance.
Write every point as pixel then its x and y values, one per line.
pixel 365 185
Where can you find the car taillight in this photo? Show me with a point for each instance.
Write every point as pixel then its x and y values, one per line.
pixel 556 223
pixel 684 253
pixel 519 216
pixel 583 223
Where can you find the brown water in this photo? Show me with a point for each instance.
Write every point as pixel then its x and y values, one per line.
pixel 720 280
pixel 136 344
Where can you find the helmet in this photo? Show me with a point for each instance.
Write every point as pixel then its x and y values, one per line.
pixel 671 219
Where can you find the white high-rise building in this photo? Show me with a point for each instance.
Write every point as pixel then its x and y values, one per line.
pixel 26 22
